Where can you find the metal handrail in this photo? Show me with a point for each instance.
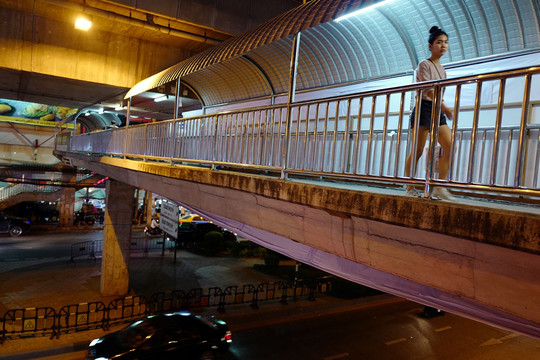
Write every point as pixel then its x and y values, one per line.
pixel 14 190
pixel 348 136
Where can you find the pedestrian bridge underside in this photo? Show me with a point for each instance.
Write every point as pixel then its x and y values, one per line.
pixel 475 259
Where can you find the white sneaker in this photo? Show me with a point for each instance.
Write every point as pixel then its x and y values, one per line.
pixel 413 192
pixel 442 193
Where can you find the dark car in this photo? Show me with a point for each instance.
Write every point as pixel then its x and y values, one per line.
pixel 179 335
pixel 12 225
pixel 196 231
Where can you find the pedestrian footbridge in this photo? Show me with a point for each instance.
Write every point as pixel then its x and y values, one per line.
pixel 322 182
pixel 301 141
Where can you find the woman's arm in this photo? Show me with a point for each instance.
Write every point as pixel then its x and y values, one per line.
pixel 447 111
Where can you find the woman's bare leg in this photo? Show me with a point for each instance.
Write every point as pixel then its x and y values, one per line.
pixel 445 139
pixel 422 137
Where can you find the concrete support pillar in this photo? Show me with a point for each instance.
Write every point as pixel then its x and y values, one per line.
pixel 136 212
pixel 149 207
pixel 66 207
pixel 117 238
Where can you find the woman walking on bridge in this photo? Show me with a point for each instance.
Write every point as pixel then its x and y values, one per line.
pixel 431 69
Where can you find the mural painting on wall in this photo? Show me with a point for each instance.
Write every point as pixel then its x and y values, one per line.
pixel 33 113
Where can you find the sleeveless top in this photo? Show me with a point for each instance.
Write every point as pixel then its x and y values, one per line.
pixel 426 71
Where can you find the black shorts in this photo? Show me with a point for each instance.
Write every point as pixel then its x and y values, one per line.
pixel 425 115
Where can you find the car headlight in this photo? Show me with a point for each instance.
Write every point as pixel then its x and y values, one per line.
pixel 95 341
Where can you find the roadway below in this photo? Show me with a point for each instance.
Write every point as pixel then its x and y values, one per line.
pixel 382 327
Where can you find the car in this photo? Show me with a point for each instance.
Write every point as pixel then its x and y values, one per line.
pixel 186 219
pixel 196 231
pixel 15 226
pixel 178 335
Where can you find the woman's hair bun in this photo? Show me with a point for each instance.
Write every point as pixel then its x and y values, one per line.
pixel 434 33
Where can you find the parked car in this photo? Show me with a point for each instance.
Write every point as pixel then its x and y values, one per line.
pixel 196 231
pixel 179 335
pixel 15 226
pixel 188 218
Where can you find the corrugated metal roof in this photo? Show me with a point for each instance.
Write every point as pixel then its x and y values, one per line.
pixel 289 23
pixel 386 40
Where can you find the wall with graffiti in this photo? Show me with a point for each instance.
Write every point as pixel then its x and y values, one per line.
pixel 33 113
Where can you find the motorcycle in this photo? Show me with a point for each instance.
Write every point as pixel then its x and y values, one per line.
pixel 148 231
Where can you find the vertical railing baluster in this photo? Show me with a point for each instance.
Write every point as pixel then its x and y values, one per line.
pixel 497 134
pixel 315 137
pixel 508 156
pixel 270 155
pixel 455 122
pixel 345 154
pixel 257 156
pixel 214 151
pixel 228 137
pixel 305 157
pixel 537 162
pixel 472 151
pixel 370 136
pixel 174 134
pixel 264 136
pixel 399 130
pixel 334 137
pixel 433 138
pixel 413 134
pixel 358 134
pixel 220 147
pixel 294 156
pixel 482 155
pixel 239 139
pixel 520 156
pixel 251 147
pixel 282 139
pixel 325 131
pixel 383 138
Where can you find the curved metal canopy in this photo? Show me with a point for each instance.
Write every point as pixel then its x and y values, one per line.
pixel 383 40
pixel 95 121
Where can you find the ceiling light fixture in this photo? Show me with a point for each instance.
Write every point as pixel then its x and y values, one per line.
pixel 82 24
pixel 161 98
pixel 363 10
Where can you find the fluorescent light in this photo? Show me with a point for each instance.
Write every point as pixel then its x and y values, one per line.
pixel 82 24
pixel 364 9
pixel 161 98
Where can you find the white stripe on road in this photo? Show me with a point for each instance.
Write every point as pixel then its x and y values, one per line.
pixel 338 356
pixel 443 329
pixel 395 341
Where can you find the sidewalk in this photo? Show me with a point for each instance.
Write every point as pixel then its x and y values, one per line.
pixel 58 282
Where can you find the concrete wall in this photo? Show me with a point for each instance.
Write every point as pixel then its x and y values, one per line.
pixel 47 46
pixel 39 36
pixel 231 16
